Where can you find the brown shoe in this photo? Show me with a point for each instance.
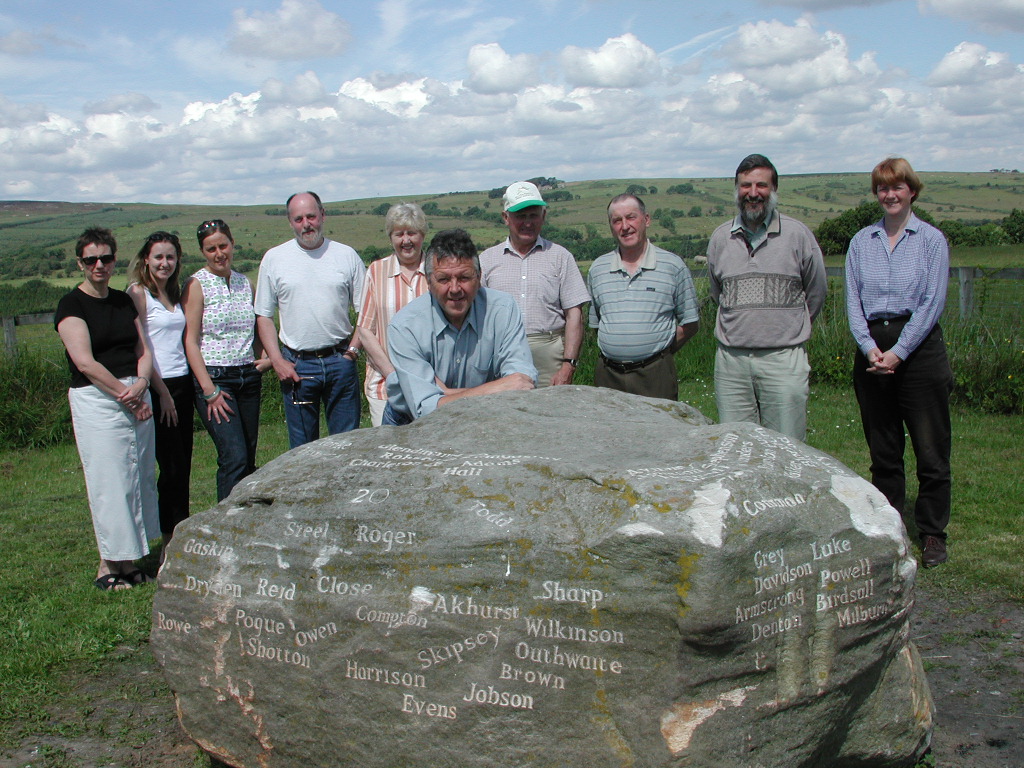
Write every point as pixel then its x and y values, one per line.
pixel 933 551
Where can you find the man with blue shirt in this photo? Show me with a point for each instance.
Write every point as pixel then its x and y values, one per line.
pixel 767 276
pixel 458 340
pixel 643 305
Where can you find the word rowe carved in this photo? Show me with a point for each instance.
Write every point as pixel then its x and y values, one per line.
pixel 639 589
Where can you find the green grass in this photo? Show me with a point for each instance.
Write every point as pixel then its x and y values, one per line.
pixel 52 619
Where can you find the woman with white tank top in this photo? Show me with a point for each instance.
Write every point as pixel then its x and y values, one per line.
pixel 157 295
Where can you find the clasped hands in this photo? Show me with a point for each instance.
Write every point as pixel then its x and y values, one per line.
pixel 882 363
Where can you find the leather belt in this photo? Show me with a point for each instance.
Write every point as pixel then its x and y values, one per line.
pixel 311 354
pixel 615 365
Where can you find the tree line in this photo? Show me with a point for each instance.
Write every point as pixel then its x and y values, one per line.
pixel 834 234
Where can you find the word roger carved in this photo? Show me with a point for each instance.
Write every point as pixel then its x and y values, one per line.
pixel 554 578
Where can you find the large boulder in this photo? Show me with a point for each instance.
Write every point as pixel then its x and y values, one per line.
pixel 565 577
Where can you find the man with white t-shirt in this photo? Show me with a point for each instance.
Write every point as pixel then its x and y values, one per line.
pixel 311 282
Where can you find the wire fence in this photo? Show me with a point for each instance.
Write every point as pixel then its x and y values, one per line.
pixel 990 299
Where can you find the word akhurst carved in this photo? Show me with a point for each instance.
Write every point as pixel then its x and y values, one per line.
pixel 564 577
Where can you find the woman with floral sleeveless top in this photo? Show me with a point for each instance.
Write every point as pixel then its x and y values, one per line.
pixel 222 351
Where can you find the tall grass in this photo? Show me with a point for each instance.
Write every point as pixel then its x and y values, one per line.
pixel 34 409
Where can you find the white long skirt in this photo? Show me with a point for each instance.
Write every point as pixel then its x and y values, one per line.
pixel 119 460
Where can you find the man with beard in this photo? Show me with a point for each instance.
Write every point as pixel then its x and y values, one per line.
pixel 311 282
pixel 768 278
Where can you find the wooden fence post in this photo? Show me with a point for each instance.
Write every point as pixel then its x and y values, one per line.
pixel 10 339
pixel 966 276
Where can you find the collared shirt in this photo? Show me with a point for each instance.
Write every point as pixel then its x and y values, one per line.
pixel 544 283
pixel 769 294
pixel 637 315
pixel 422 345
pixel 754 236
pixel 911 279
pixel 311 290
pixel 387 290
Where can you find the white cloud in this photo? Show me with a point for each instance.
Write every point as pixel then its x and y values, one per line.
pixel 772 43
pixel 13 115
pixel 298 30
pixel 401 100
pixel 132 103
pixel 622 62
pixel 303 91
pixel 993 15
pixel 971 80
pixel 491 70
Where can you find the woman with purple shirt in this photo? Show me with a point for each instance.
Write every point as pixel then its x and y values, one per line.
pixel 896 277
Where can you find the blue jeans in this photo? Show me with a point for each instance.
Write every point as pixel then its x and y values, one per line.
pixel 331 380
pixel 235 440
pixel 393 418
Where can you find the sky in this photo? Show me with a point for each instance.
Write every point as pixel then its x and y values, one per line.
pixel 247 101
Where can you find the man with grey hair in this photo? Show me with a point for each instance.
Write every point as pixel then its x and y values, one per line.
pixel 767 276
pixel 543 278
pixel 458 340
pixel 643 305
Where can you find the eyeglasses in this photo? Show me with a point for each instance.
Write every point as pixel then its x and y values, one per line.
pixel 90 261
pixel 206 226
pixel 296 385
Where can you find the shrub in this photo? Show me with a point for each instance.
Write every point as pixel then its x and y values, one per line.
pixel 989 372
pixel 34 409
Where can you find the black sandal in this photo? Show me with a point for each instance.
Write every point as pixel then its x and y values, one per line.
pixel 110 582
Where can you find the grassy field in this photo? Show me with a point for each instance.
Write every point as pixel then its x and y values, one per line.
pixel 52 619
pixel 811 198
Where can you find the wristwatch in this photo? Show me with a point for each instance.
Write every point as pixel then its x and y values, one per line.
pixel 573 361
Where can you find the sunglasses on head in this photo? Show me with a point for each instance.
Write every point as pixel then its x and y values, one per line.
pixel 90 261
pixel 208 225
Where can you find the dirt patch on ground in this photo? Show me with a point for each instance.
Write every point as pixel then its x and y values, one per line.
pixel 122 713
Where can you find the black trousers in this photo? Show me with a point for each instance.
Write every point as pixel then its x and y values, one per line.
pixel 915 396
pixel 174 454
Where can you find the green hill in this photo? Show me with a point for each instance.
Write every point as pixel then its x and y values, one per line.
pixel 37 238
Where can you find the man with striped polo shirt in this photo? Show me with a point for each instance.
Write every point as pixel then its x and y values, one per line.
pixel 545 282
pixel 643 305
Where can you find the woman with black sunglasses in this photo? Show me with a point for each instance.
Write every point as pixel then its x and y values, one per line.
pixel 157 296
pixel 111 368
pixel 223 349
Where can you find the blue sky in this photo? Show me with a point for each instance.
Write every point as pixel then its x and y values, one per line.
pixel 245 102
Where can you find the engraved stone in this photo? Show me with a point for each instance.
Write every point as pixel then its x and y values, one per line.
pixel 566 577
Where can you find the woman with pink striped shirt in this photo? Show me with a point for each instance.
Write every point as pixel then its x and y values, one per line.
pixel 391 283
